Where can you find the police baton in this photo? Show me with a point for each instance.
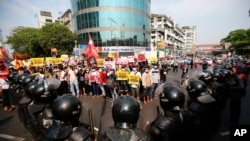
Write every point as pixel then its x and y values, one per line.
pixel 158 110
pixel 91 123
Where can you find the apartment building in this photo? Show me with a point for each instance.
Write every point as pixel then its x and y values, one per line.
pixel 179 40
pixel 190 38
pixel 65 19
pixel 44 17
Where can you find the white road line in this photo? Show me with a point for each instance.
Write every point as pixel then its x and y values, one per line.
pixel 12 138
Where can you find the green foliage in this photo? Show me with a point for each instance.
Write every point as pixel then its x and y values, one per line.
pixel 239 39
pixel 38 42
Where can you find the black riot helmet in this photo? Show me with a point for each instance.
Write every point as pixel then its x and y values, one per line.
pixel 46 91
pixel 206 76
pixel 29 88
pixel 228 66
pixel 21 77
pixel 67 108
pixel 226 74
pixel 28 79
pixel 217 75
pixel 195 88
pixel 125 112
pixel 12 76
pixel 218 67
pixel 172 98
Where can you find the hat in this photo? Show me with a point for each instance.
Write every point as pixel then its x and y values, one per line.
pixel 59 130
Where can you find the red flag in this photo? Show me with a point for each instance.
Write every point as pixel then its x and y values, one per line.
pixel 92 49
pixel 86 52
pixel 4 52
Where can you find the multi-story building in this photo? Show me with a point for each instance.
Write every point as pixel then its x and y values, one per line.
pixel 190 38
pixel 115 25
pixel 164 29
pixel 65 19
pixel 44 17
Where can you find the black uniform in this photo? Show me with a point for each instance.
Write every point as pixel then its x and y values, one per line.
pixel 167 126
pixel 66 111
pixel 125 113
pixel 204 111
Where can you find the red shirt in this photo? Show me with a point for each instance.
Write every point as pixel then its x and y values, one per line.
pixel 103 77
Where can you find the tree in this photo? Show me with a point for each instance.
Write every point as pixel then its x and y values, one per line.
pixel 24 40
pixel 239 39
pixel 38 42
pixel 55 35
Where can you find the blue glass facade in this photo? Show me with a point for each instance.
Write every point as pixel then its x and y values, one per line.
pixel 120 23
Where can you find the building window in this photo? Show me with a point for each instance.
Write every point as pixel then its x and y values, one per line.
pixel 48 20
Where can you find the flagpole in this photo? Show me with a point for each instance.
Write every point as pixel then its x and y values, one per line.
pixel 116 43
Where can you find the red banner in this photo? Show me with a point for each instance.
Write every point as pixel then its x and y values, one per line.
pixel 141 58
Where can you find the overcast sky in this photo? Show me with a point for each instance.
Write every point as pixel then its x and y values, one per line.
pixel 214 19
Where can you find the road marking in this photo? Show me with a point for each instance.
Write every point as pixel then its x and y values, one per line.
pixel 225 133
pixel 12 138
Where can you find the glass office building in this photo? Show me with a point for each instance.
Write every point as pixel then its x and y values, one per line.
pixel 122 25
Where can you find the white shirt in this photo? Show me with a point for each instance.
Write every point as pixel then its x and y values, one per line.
pixel 5 85
pixel 72 75
pixel 155 75
pixel 62 76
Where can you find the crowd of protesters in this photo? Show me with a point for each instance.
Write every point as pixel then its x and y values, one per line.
pixel 87 79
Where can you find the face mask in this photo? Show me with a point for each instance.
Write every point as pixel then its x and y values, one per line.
pixel 93 70
pixel 123 69
pixel 87 71
pixel 134 69
pixel 155 67
pixel 100 70
pixel 146 71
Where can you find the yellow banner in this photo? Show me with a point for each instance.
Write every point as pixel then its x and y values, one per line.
pixel 58 61
pixel 64 56
pixel 152 59
pixel 134 79
pixel 53 60
pixel 37 61
pixel 122 75
pixel 100 63
pixel 111 54
pixel 49 59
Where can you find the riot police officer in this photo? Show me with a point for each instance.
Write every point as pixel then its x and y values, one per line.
pixel 66 110
pixel 204 111
pixel 22 102
pixel 167 124
pixel 125 113
pixel 43 94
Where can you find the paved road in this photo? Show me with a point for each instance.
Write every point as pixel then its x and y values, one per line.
pixel 11 128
